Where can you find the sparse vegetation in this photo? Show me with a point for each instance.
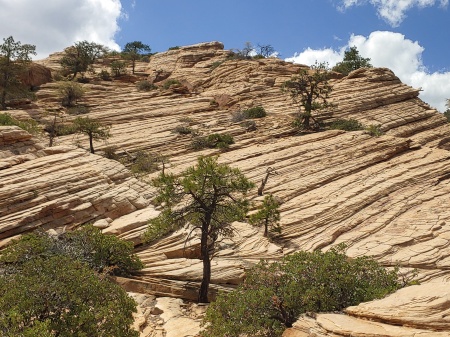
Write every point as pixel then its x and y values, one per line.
pixel 212 196
pixel 133 51
pixel 352 61
pixel 268 216
pixel 310 89
pixel 14 60
pixel 171 82
pixel 275 294
pixel 374 130
pixel 213 141
pixel 80 57
pixel 29 125
pixel 174 48
pixel 70 92
pixel 92 128
pixel 145 86
pixel 118 68
pixel 183 130
pixel 215 64
pixel 144 163
pixel 254 112
pixel 105 75
pixel 346 124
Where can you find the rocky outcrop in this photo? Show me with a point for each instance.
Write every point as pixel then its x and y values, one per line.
pixel 385 196
pixel 36 75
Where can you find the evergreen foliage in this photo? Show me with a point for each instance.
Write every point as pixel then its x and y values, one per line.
pixel 81 56
pixel 133 51
pixel 29 125
pixel 14 60
pixel 346 124
pixel 310 90
pixel 352 61
pixel 92 128
pixel 268 216
pixel 209 197
pixel 70 92
pixel 275 294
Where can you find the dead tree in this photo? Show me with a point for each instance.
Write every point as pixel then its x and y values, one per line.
pixel 269 171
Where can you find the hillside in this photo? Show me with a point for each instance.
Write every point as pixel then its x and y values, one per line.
pixel 386 197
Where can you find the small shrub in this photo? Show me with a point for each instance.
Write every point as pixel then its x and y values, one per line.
pixel 167 84
pixel 258 57
pixel 374 130
pixel 213 103
pixel 145 58
pixel 174 48
pixel 346 124
pixel 255 112
pixel 83 80
pixel 78 110
pixel 213 141
pixel 186 120
pixel 110 153
pixel 215 64
pixel 144 163
pixel 105 75
pixel 145 86
pixel 118 68
pixel 29 125
pixel 275 294
pixel 249 125
pixel 183 130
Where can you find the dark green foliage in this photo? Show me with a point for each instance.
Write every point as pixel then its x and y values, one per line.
pixel 447 114
pixel 59 285
pixel 105 75
pixel 215 64
pixel 275 294
pixel 264 51
pixel 59 296
pixel 145 86
pixel 212 198
pixel 133 51
pixel 102 253
pixel 255 112
pixel 81 56
pixel 144 163
pixel 352 61
pixel 174 48
pixel 118 68
pixel 213 141
pixel 167 84
pixel 346 124
pixel 374 130
pixel 310 90
pixel 92 128
pixel 268 216
pixel 183 130
pixel 70 92
pixel 29 125
pixel 14 60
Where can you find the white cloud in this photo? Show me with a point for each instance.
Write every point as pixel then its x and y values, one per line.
pixel 53 25
pixel 393 51
pixel 393 11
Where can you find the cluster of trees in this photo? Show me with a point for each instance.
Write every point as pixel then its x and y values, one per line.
pixel 61 285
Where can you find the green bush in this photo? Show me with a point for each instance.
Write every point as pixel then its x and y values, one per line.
pixel 252 113
pixel 275 294
pixel 346 124
pixel 167 84
pixel 215 64
pixel 174 48
pixel 105 75
pixel 183 130
pixel 213 141
pixel 102 253
pixel 145 86
pixel 29 125
pixel 374 130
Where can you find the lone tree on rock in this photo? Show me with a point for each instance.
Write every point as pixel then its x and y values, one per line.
pixel 268 215
pixel 133 51
pixel 209 197
pixel 352 61
pixel 14 59
pixel 92 128
pixel 310 89
pixel 79 57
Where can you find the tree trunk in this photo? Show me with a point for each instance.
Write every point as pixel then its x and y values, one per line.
pixel 91 144
pixel 203 293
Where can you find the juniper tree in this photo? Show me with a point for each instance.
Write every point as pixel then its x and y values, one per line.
pixel 93 128
pixel 14 59
pixel 133 51
pixel 352 61
pixel 209 197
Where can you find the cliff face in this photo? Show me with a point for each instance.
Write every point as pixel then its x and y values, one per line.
pixel 385 196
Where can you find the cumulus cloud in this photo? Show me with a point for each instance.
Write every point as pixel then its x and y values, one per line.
pixel 394 51
pixel 53 25
pixel 393 11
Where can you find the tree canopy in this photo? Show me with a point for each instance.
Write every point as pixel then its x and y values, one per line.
pixel 93 128
pixel 310 89
pixel 352 61
pixel 268 215
pixel 14 58
pixel 59 286
pixel 209 197
pixel 79 57
pixel 134 50
pixel 275 294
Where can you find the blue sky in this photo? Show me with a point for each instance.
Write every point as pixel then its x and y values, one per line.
pixel 411 37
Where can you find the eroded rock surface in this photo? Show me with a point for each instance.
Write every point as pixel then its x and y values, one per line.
pixel 386 197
